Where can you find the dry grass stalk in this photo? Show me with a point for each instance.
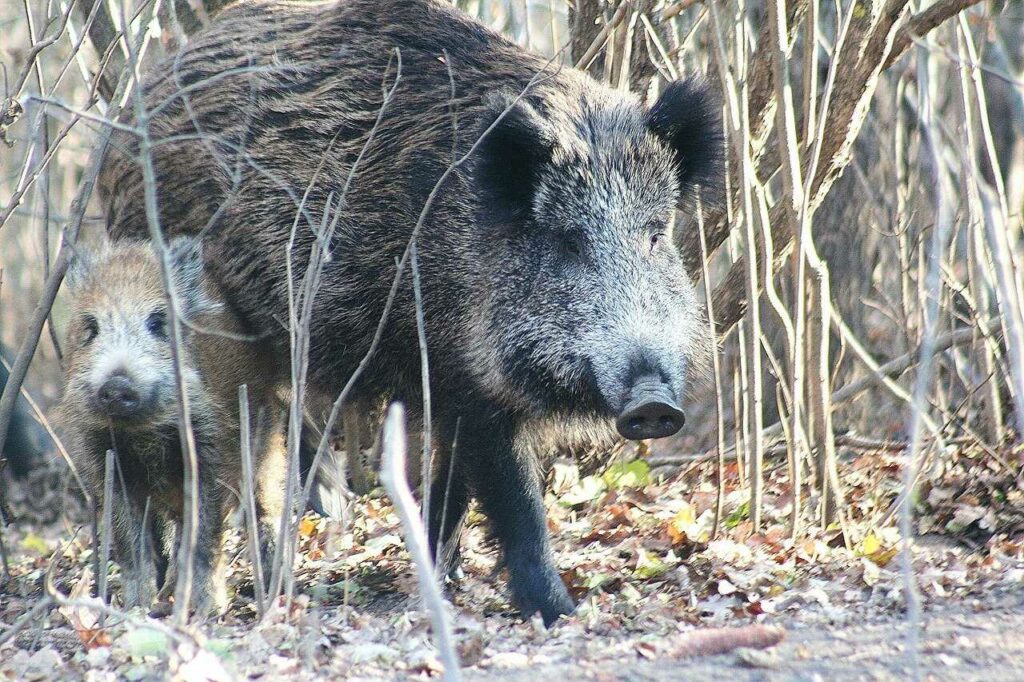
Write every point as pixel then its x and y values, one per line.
pixel 248 501
pixel 716 367
pixel 108 517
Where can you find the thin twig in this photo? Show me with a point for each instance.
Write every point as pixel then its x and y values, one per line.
pixel 43 421
pixel 299 328
pixel 893 368
pixel 30 617
pixel 927 96
pixel 4 564
pixel 392 474
pixel 602 36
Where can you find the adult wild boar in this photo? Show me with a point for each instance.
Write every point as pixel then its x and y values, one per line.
pixel 554 300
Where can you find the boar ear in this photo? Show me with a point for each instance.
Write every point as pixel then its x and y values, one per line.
pixel 686 117
pixel 510 158
pixel 187 263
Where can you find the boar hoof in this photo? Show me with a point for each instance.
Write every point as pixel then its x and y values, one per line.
pixel 542 591
pixel 455 575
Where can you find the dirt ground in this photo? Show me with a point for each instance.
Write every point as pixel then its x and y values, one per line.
pixel 634 546
pixel 980 642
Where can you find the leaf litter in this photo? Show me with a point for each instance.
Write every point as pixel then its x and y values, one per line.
pixel 636 548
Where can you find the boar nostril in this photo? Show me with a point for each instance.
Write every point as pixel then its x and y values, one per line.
pixel 650 412
pixel 118 397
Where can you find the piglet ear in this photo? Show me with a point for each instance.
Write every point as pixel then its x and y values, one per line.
pixel 186 260
pixel 687 118
pixel 83 260
pixel 79 267
pixel 510 158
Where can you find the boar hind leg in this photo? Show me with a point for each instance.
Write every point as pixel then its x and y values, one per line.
pixel 508 486
pixel 270 486
pixel 134 542
pixel 449 500
pixel 353 426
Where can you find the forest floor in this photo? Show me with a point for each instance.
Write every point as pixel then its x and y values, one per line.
pixel 635 546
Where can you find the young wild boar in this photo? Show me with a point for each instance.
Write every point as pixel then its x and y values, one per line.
pixel 556 306
pixel 121 394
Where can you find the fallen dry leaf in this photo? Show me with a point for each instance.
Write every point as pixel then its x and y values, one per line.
pixel 307 527
pixel 82 615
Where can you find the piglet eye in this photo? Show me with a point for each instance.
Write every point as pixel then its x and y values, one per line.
pixel 156 324
pixel 92 329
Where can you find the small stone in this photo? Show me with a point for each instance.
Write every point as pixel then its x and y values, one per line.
pixel 136 673
pixel 10 665
pixel 758 658
pixel 424 661
pixel 725 588
pixel 275 635
pixel 98 657
pixel 508 659
pixel 372 652
pixel 43 665
pixel 204 666
pixel 471 647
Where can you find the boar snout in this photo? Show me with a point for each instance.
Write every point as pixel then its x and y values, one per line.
pixel 119 398
pixel 650 411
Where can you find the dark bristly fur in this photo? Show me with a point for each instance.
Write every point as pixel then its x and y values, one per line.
pixel 24 447
pixel 115 331
pixel 548 270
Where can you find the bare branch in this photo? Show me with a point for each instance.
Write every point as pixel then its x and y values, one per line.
pixel 924 22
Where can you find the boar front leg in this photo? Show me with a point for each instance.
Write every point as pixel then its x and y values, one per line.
pixel 134 542
pixel 508 486
pixel 209 592
pixel 167 533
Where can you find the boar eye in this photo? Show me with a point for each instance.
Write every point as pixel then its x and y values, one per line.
pixel 156 324
pixel 572 245
pixel 92 329
pixel 656 238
